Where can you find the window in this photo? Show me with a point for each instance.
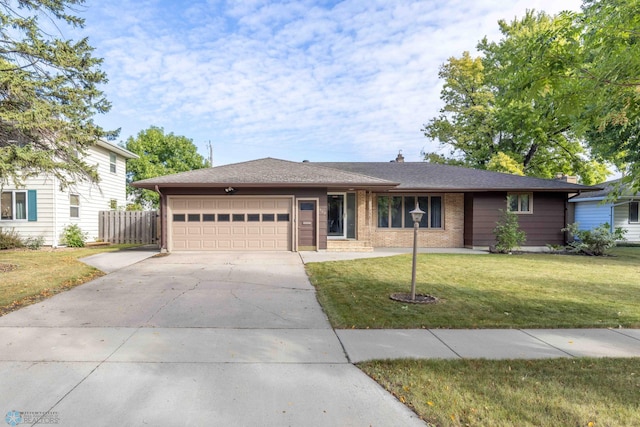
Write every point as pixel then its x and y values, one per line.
pixel 193 217
pixel 268 217
pixel 395 211
pixel 223 217
pixel 633 211
pixel 520 202
pixel 237 217
pixel 178 217
pixel 253 217
pixel 74 206
pixel 113 159
pixel 283 217
pixel 13 205
pixel 208 217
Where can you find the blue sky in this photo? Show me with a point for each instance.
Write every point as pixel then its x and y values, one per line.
pixel 350 80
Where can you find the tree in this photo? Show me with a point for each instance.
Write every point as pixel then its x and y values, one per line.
pixel 609 75
pixel 508 110
pixel 160 155
pixel 48 94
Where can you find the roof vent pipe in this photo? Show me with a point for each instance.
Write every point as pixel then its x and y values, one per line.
pixel 400 158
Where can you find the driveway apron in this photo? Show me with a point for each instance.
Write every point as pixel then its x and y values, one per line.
pixel 188 339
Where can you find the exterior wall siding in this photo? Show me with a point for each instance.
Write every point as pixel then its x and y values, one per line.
pixel 621 219
pixel 591 214
pixel 53 204
pixel 451 235
pixel 542 227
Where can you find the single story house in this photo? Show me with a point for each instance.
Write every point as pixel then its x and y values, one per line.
pixel 40 209
pixel 593 209
pixel 272 204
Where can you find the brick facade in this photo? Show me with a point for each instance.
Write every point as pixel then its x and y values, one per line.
pixel 451 235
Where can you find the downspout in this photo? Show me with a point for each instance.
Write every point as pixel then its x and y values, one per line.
pixel 163 246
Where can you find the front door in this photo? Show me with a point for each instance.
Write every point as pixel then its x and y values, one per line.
pixel 307 225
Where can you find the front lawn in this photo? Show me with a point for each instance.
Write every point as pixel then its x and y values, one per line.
pixel 28 276
pixel 484 291
pixel 557 392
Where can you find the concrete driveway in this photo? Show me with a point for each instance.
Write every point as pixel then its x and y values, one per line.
pixel 188 339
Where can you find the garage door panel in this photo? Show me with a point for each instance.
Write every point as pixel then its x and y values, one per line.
pixel 225 223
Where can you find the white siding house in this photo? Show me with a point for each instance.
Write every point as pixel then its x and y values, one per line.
pixel 592 211
pixel 41 209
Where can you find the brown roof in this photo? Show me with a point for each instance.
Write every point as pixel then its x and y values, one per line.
pixel 425 176
pixel 394 176
pixel 266 172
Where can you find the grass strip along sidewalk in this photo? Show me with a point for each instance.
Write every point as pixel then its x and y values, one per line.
pixel 497 291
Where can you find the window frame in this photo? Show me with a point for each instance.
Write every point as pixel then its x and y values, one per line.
pixel 74 206
pixel 401 215
pixel 113 162
pixel 13 208
pixel 519 196
pixel 637 212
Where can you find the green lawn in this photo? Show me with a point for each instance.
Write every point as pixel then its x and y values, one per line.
pixel 484 291
pixel 497 291
pixel 557 392
pixel 28 276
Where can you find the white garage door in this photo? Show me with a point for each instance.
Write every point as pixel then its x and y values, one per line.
pixel 230 223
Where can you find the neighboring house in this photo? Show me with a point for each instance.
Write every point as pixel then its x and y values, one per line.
pixel 272 204
pixel 592 209
pixel 41 209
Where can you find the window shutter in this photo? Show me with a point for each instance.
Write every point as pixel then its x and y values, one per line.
pixel 32 208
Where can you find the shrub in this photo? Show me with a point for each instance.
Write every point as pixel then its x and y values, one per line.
pixel 73 236
pixel 508 234
pixel 593 242
pixel 34 243
pixel 10 239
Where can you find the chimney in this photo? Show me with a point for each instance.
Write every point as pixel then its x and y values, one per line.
pixel 400 158
pixel 571 179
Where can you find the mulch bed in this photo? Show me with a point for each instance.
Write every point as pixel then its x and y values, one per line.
pixel 420 298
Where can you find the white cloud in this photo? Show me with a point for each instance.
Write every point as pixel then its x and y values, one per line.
pixel 352 80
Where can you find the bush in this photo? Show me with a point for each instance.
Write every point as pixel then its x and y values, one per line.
pixel 10 239
pixel 508 234
pixel 73 236
pixel 593 242
pixel 34 243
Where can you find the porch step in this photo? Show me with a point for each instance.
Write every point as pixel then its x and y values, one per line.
pixel 349 246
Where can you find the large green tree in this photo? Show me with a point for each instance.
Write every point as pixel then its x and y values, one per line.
pixel 509 110
pixel 160 154
pixel 49 93
pixel 609 76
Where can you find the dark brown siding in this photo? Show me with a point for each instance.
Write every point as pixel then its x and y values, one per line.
pixel 542 226
pixel 468 220
pixel 319 193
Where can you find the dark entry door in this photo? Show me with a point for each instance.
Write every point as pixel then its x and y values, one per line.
pixel 307 226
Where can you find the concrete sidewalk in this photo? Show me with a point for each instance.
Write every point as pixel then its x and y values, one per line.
pixel 369 344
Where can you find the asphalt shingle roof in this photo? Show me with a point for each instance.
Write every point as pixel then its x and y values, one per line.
pixel 404 176
pixel 432 176
pixel 264 173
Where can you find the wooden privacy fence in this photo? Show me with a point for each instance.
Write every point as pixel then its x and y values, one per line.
pixel 128 227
